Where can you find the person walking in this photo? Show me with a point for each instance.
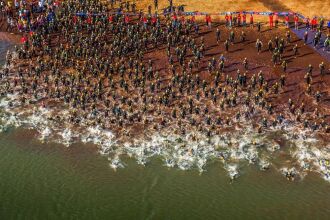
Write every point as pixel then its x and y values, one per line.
pixel 306 37
pixel 258 45
pixel 218 35
pixel 226 45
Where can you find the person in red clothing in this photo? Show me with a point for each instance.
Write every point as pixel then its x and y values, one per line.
pixel 57 3
pixel 174 20
pixel 271 24
pixel 110 18
pixel 251 20
pixel 244 19
pixel 227 20
pixel 89 19
pixel 24 39
pixel 154 20
pixel 144 21
pixel 126 19
pixel 182 19
pixel 287 21
pixel 208 20
pixel 174 17
pixel 296 22
pixel 75 18
pixel 314 23
pixel 193 19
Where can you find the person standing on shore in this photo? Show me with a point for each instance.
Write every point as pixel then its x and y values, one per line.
pixel 288 37
pixel 243 36
pixel 244 19
pixel 218 35
pixel 259 26
pixel 270 46
pixel 316 40
pixel 327 43
pixel 314 23
pixel 227 20
pixel 322 68
pixel 230 20
pixel 305 37
pixel 296 22
pixel 258 45
pixel 245 63
pixel 226 45
pixel 251 20
pixel 307 23
pixel 232 37
pixel 208 21
pixel 239 20
pixel 295 51
pixel 156 4
pixel 271 23
pixel 284 65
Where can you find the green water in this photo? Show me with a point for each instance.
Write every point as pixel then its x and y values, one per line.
pixel 49 181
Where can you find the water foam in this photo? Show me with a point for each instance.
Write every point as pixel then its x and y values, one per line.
pixel 191 151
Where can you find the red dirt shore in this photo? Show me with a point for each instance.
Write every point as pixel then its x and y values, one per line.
pixel 297 67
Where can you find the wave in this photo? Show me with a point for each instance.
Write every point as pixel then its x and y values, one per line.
pixel 193 150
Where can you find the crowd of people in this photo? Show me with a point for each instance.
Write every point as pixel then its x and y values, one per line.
pixel 83 57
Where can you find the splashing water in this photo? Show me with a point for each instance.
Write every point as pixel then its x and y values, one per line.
pixel 191 151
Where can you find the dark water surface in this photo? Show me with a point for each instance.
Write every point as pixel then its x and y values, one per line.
pixel 50 181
